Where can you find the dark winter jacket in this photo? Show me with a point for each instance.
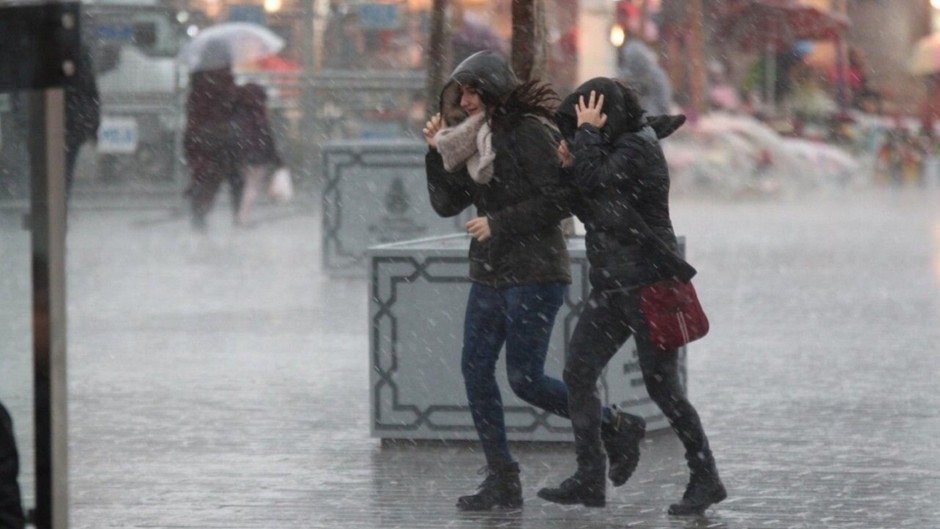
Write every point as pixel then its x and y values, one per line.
pixel 82 103
pixel 524 202
pixel 11 507
pixel 209 112
pixel 618 169
pixel 252 129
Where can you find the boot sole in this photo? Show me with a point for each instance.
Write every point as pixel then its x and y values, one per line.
pixel 474 508
pixel 679 509
pixel 587 502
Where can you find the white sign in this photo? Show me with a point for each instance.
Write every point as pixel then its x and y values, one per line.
pixel 117 135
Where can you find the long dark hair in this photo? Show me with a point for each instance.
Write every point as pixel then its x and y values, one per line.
pixel 532 97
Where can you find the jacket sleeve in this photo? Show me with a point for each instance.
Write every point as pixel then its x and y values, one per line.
pixel 536 153
pixel 450 193
pixel 596 164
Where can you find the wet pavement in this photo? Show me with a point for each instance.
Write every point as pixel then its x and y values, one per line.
pixel 220 380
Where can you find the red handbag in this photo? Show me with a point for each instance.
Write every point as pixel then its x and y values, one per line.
pixel 673 313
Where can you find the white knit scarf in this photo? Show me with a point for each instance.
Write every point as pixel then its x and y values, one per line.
pixel 468 143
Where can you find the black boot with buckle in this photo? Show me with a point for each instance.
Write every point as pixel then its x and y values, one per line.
pixel 704 490
pixel 621 437
pixel 501 488
pixel 587 487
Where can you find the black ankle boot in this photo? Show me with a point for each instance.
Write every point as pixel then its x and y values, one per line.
pixel 501 488
pixel 704 490
pixel 585 487
pixel 621 437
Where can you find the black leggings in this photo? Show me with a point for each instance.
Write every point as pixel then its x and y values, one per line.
pixel 607 322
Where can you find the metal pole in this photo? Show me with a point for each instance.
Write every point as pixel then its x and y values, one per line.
pixel 310 136
pixel 39 51
pixel 47 223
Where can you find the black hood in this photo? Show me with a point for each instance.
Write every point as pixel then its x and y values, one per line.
pixel 622 107
pixel 486 71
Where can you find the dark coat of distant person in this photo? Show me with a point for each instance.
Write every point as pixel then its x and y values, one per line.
pixel 82 102
pixel 209 113
pixel 254 138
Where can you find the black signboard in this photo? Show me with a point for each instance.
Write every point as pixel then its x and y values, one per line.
pixel 38 45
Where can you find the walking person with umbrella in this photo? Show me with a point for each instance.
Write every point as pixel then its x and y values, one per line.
pixel 208 142
pixel 211 141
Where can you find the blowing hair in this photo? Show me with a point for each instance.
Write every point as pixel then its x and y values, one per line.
pixel 532 97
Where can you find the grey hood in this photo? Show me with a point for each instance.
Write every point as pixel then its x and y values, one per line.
pixel 488 72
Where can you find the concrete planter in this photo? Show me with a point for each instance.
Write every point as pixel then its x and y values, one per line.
pixel 375 192
pixel 418 293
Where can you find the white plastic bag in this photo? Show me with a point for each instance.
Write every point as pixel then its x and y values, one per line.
pixel 281 189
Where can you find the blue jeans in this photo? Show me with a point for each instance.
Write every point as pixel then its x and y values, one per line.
pixel 522 317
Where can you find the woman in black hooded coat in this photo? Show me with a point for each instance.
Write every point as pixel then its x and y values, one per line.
pixel 613 158
pixel 495 148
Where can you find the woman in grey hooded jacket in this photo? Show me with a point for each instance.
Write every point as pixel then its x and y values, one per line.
pixel 494 147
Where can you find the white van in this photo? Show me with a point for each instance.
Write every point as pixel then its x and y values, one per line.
pixel 134 48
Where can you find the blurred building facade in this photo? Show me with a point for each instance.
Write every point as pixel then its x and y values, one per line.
pixel 882 32
pixel 350 40
pixel 391 34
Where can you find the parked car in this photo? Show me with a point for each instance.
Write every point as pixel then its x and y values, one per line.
pixel 134 48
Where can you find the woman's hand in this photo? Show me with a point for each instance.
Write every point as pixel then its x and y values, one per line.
pixel 590 113
pixel 564 154
pixel 479 228
pixel 430 129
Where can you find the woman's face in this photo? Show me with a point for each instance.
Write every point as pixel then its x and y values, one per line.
pixel 470 100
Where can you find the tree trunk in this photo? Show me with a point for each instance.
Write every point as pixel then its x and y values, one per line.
pixel 528 39
pixel 438 56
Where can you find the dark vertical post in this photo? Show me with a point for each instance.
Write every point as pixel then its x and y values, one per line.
pixel 47 222
pixel 528 57
pixel 48 59
pixel 310 131
pixel 39 52
pixel 438 54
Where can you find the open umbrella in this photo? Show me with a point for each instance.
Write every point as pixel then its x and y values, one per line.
pixel 223 45
pixel 774 25
pixel 925 59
